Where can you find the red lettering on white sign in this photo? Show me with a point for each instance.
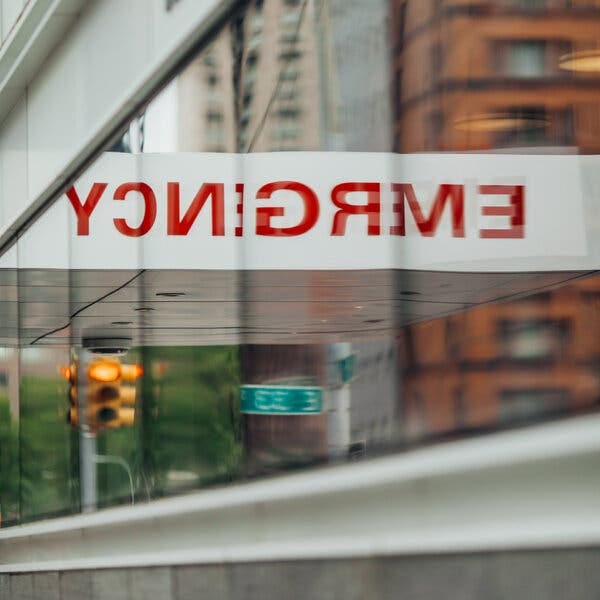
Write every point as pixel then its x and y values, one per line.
pixel 428 225
pixel 515 211
pixel 149 208
pixel 181 226
pixel 404 195
pixel 264 214
pixel 84 211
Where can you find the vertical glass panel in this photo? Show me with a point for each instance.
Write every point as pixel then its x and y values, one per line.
pixel 190 423
pixel 48 446
pixel 10 476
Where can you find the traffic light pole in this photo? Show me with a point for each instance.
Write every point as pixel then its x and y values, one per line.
pixel 87 441
pixel 87 470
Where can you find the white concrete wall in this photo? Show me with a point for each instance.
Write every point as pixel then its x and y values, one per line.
pixel 70 72
pixel 10 11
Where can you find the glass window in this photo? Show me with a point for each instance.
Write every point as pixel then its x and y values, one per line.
pixel 47 445
pixel 533 338
pixel 522 58
pixel 522 406
pixel 429 140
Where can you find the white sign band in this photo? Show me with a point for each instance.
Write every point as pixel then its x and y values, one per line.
pixel 315 211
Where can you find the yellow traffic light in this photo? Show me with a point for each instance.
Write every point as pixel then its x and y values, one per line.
pixel 70 374
pixel 104 371
pixel 110 403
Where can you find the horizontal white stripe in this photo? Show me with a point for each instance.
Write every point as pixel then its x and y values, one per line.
pixel 446 225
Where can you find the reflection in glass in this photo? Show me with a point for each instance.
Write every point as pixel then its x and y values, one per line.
pixel 250 373
pixel 10 501
pixel 47 445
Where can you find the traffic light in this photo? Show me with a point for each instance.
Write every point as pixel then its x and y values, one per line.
pixel 70 374
pixel 110 402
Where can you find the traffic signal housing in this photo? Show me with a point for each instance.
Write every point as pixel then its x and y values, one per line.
pixel 111 393
pixel 70 374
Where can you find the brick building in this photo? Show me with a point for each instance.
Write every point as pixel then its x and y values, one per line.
pixel 488 74
pixel 484 76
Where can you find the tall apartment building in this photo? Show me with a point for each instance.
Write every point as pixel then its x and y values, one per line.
pixel 205 100
pixel 254 88
pixel 279 78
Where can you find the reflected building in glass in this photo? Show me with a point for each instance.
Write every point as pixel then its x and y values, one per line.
pixel 204 100
pixel 277 78
pixel 382 358
pixel 473 75
pixel 499 76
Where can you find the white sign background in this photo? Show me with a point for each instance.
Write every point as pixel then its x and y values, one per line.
pixel 556 222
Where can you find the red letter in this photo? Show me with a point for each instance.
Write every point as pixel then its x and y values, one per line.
pixel 516 211
pixel 372 208
pixel 239 209
pixel 264 214
pixel 428 225
pixel 149 208
pixel 83 211
pixel 178 226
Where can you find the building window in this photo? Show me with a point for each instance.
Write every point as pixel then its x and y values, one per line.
pixel 290 19
pixel 526 405
pixel 289 113
pixel 532 339
pixel 522 126
pixel 213 116
pixel 521 58
pixel 249 80
pixel 255 42
pixel 527 3
pixel 256 24
pixel 289 37
pixel 530 59
pixel 289 73
pixel 245 118
pixel 251 61
pixel 215 136
pixel 534 126
pixel 286 131
pixel 290 55
pixel 563 127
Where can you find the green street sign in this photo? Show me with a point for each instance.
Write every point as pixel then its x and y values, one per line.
pixel 281 400
pixel 347 368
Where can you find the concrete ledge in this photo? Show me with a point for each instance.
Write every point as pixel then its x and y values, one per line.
pixel 533 575
pixel 535 488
